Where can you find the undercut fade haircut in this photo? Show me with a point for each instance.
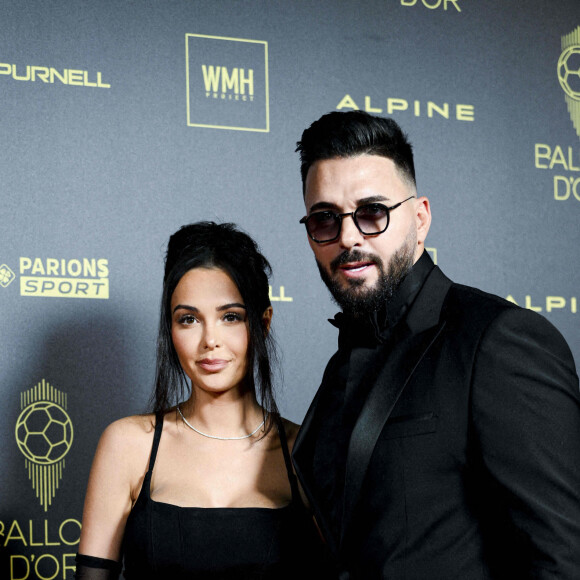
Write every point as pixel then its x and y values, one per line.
pixel 225 247
pixel 354 133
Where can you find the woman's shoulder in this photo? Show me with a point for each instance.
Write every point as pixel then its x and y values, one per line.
pixel 134 427
pixel 122 455
pixel 128 437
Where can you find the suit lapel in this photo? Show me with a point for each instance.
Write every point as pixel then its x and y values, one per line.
pixel 403 352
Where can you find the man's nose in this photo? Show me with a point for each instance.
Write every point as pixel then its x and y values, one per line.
pixel 350 235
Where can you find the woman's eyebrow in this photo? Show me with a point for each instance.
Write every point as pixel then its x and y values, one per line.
pixel 186 307
pixel 231 305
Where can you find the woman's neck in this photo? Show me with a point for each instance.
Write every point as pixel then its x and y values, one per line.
pixel 225 414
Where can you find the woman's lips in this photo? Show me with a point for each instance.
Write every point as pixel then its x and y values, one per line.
pixel 212 364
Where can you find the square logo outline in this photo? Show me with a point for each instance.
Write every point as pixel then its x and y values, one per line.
pixel 234 128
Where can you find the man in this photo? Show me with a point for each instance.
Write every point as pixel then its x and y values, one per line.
pixel 444 441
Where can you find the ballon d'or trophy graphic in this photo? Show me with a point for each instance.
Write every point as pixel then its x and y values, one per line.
pixel 44 434
pixel 569 75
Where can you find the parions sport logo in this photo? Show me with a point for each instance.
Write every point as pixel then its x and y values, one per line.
pixel 7 276
pixel 227 83
pixel 61 278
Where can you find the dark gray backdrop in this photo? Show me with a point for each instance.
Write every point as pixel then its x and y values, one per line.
pixel 107 164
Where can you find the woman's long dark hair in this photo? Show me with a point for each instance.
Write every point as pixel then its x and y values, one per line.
pixel 223 246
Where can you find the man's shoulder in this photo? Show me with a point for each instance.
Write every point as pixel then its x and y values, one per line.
pixel 459 301
pixel 471 297
pixel 473 307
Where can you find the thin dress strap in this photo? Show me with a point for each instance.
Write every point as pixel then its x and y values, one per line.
pixel 146 487
pixel 156 439
pixel 288 460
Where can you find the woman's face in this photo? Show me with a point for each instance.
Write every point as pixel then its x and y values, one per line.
pixel 210 330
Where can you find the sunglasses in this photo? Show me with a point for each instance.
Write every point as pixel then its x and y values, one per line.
pixel 370 219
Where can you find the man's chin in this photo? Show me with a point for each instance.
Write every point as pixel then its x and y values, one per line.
pixel 355 288
pixel 353 296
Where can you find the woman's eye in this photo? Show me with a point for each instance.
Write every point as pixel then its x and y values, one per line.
pixel 187 319
pixel 232 317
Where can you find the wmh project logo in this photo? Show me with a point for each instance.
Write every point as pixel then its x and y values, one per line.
pixel 227 83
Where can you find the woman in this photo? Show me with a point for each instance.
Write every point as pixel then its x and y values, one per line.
pixel 203 488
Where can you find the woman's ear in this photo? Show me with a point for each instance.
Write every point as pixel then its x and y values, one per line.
pixel 267 319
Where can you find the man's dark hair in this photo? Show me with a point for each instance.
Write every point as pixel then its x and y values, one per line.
pixel 353 133
pixel 221 246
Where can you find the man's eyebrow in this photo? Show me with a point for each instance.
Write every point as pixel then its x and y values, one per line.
pixel 371 199
pixel 322 205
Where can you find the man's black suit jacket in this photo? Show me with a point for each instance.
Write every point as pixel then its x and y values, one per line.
pixel 464 462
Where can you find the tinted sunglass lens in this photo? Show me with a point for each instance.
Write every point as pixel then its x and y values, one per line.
pixel 372 219
pixel 323 226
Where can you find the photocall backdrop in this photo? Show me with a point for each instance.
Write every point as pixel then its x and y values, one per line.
pixel 123 120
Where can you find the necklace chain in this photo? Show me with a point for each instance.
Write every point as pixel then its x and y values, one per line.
pixel 221 438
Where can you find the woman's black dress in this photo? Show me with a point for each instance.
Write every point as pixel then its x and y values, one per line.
pixel 166 541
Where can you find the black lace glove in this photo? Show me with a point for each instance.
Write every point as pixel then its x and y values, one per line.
pixel 91 568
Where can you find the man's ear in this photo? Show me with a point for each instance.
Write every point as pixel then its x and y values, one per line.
pixel 423 218
pixel 267 319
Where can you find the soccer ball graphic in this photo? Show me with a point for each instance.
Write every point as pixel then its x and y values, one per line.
pixel 44 432
pixel 569 72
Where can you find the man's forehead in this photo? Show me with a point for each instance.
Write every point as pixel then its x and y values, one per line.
pixel 353 180
pixel 360 166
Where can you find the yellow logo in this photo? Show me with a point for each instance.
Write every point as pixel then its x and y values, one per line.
pixel 54 278
pixel 569 75
pixel 235 84
pixel 227 83
pixel 6 276
pixel 547 303
pixel 45 74
pixel 44 435
pixel 281 296
pixel 434 4
pixel 391 105
pixel 433 253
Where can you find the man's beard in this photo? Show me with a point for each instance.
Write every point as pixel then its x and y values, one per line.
pixel 357 300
